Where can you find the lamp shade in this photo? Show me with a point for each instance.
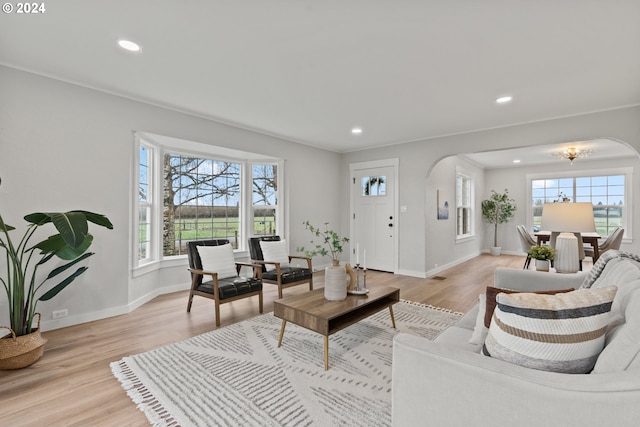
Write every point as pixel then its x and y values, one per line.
pixel 568 217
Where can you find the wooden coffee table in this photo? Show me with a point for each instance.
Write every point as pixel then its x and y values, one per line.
pixel 310 310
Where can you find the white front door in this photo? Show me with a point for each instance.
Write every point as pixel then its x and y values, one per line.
pixel 374 221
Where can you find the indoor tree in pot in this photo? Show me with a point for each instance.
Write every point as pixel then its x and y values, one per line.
pixel 329 243
pixel 498 209
pixel 25 287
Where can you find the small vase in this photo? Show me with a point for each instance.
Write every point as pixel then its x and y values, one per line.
pixel 542 265
pixel 335 282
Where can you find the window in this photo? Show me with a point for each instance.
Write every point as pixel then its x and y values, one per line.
pixel 463 206
pixel 607 192
pixel 265 199
pixel 144 203
pixel 216 193
pixel 201 200
pixel 373 186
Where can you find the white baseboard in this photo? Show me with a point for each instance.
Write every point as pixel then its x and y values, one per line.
pixel 49 325
pixel 441 268
pixel 413 273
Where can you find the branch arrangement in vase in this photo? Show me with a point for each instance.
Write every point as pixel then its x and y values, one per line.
pixel 328 242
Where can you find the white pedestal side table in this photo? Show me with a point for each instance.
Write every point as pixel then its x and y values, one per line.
pixel 566 260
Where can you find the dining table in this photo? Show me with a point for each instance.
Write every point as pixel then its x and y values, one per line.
pixel 591 238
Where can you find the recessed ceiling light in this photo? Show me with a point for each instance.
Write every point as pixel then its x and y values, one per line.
pixel 503 99
pixel 356 131
pixel 516 161
pixel 129 45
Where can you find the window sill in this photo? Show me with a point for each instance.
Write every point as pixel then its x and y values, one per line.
pixel 177 261
pixel 464 239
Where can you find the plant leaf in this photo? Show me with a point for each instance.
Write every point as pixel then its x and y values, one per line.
pixel 68 265
pixel 4 226
pixel 97 219
pixel 60 286
pixel 72 226
pixel 56 245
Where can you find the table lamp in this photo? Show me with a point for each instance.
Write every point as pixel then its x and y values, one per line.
pixel 567 218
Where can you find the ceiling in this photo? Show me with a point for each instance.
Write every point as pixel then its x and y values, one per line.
pixel 309 71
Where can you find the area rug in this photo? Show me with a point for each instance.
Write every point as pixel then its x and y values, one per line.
pixel 237 376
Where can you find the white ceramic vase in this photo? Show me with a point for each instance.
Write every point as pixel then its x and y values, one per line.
pixel 566 260
pixel 542 265
pixel 335 283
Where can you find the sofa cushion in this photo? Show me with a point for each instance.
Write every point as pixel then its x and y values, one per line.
pixel 487 305
pixel 218 259
pixel 559 333
pixel 622 346
pixel 275 251
pixel 459 339
pixel 492 293
pixel 479 331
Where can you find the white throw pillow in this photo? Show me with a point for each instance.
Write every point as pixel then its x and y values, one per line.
pixel 218 259
pixel 480 331
pixel 560 333
pixel 275 251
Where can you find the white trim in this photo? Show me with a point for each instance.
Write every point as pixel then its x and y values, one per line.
pixel 393 163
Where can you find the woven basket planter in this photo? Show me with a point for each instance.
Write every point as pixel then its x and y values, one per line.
pixel 20 352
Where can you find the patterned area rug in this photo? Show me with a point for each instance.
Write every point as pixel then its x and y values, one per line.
pixel 236 375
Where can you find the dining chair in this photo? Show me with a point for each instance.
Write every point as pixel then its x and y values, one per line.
pixel 526 241
pixel 612 242
pixel 215 258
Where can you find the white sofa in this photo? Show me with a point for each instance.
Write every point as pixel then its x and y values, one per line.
pixel 447 382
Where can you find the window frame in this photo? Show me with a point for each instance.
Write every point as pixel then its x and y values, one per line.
pixel 159 146
pixel 627 211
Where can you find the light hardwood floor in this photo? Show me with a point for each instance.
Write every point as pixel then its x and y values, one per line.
pixel 72 384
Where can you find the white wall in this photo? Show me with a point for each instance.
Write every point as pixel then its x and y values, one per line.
pixel 65 147
pixel 515 180
pixel 442 248
pixel 417 160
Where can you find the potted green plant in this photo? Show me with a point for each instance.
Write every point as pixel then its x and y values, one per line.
pixel 328 242
pixel 25 285
pixel 498 209
pixel 543 255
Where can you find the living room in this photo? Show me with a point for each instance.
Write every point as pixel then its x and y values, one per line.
pixel 68 141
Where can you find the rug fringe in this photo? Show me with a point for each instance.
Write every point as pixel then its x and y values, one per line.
pixel 433 307
pixel 144 400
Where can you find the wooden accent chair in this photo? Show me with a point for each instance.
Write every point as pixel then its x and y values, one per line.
pixel 278 272
pixel 221 289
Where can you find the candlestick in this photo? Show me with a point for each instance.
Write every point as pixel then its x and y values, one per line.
pixel 357 253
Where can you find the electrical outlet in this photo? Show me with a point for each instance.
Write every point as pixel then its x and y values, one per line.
pixel 60 313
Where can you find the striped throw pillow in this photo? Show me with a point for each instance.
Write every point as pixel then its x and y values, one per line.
pixel 559 333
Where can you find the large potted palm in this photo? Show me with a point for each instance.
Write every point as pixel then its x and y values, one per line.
pixel 25 285
pixel 498 209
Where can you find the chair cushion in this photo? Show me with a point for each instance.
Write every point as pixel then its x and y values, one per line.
pixel 558 333
pixel 232 286
pixel 275 251
pixel 218 259
pixel 289 274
